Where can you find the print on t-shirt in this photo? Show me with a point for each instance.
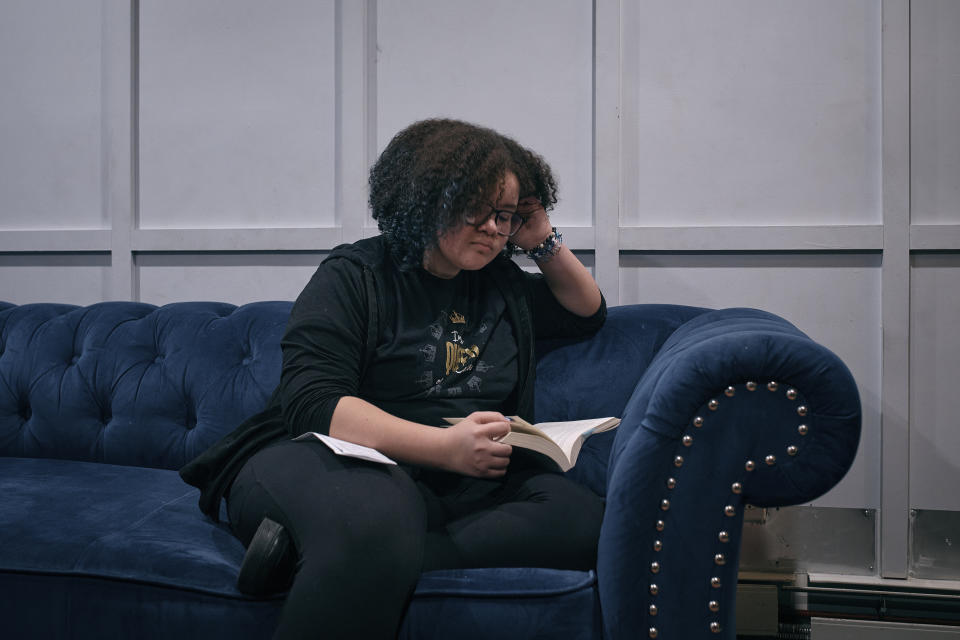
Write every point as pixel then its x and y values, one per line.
pixel 448 350
pixel 461 341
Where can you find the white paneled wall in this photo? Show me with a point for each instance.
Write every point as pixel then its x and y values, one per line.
pixel 799 157
pixel 250 276
pixel 935 113
pixel 752 113
pixel 523 68
pixel 51 115
pixel 237 121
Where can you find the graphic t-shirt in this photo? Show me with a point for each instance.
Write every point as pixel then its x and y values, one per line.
pixel 448 350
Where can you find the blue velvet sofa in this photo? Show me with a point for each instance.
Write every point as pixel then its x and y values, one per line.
pixel 100 405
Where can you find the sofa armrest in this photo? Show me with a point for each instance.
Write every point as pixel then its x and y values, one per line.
pixel 738 407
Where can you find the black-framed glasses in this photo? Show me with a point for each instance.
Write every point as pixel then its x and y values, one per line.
pixel 508 222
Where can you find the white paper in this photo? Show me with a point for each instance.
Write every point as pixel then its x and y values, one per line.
pixel 349 449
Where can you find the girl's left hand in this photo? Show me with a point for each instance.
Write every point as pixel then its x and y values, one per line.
pixel 536 226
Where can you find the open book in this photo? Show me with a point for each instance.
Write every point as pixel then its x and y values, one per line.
pixel 559 441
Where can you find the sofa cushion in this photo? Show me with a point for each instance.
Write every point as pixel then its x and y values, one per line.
pixel 116 551
pixel 477 604
pixel 129 523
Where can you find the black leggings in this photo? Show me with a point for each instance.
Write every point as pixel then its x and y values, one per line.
pixel 364 532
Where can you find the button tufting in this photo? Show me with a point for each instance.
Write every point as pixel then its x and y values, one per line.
pixel 191 418
pixel 246 361
pixel 158 359
pixel 74 359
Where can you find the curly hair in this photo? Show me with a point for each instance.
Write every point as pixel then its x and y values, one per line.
pixel 435 170
pixel 535 178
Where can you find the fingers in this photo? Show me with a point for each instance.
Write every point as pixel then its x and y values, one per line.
pixel 481 417
pixel 492 424
pixel 479 436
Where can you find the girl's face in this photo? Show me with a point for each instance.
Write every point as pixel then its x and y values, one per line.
pixel 472 247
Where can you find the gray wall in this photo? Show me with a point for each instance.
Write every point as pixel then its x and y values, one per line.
pixel 801 157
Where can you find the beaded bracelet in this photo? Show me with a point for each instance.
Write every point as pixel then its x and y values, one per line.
pixel 550 247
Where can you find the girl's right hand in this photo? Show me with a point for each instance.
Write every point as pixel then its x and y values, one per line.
pixel 474 446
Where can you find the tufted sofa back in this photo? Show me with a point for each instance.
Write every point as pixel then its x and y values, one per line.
pixel 130 383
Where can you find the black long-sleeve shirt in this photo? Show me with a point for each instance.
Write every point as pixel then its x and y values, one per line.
pixel 344 324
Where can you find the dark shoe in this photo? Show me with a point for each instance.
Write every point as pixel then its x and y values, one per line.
pixel 269 564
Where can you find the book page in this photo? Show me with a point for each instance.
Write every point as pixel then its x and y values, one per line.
pixel 567 433
pixel 349 449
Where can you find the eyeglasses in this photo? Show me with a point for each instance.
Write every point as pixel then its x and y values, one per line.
pixel 508 222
